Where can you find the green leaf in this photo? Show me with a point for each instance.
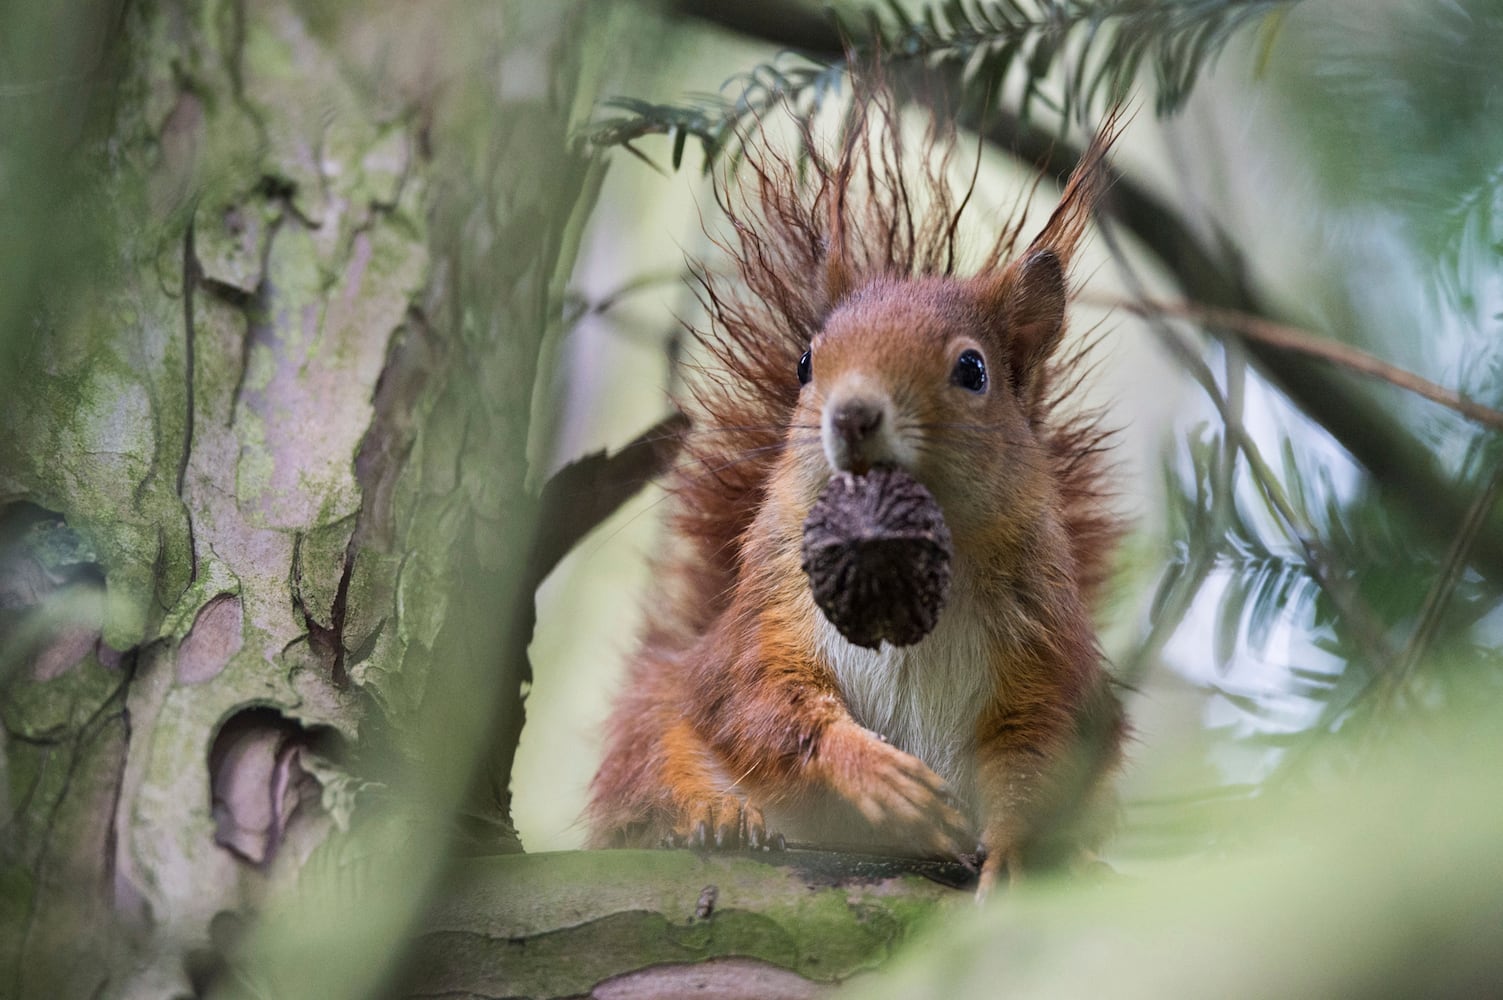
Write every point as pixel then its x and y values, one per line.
pixel 1229 623
pixel 978 44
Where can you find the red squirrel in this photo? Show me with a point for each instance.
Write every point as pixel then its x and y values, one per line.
pixel 844 340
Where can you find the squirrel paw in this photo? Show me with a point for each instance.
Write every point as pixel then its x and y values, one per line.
pixel 895 791
pixel 723 824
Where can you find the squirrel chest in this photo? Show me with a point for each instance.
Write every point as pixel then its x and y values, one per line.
pixel 924 699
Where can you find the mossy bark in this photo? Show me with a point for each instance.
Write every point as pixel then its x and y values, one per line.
pixel 263 476
pixel 609 922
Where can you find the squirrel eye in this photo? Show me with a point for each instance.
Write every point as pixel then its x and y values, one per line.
pixel 805 368
pixel 970 371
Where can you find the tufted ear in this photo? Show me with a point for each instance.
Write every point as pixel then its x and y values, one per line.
pixel 1025 302
pixel 1030 313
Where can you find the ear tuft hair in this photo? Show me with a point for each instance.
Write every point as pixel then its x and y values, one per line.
pixel 1088 182
pixel 1026 299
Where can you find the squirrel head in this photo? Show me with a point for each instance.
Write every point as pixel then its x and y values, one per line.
pixel 948 378
pixel 942 377
pixel 843 338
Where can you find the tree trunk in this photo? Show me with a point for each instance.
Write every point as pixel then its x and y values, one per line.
pixel 262 485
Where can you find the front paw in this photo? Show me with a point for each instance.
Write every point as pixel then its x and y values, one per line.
pixel 894 791
pixel 723 823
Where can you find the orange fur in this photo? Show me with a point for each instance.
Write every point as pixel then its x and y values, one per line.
pixel 740 714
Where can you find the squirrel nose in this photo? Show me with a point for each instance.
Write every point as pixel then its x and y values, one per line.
pixel 856 420
pixel 856 433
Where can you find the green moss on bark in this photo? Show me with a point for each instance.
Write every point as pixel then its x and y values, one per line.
pixel 555 925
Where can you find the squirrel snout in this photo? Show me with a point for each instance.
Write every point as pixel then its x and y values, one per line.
pixel 857 433
pixel 855 420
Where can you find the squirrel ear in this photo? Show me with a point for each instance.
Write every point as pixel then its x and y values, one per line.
pixel 1027 301
pixel 1030 309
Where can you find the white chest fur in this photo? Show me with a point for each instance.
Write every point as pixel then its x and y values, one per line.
pixel 923 698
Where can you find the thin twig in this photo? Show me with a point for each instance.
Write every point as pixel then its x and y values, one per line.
pixel 1245 326
pixel 1404 468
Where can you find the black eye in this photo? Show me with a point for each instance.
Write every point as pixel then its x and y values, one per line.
pixel 805 368
pixel 970 371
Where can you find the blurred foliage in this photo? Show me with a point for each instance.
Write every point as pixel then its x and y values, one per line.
pixel 1381 885
pixel 1322 605
pixel 1331 609
pixel 1403 113
pixel 60 80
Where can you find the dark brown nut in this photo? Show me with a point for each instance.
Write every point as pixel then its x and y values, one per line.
pixel 877 553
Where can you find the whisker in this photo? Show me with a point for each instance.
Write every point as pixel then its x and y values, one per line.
pixel 692 469
pixel 746 454
pixel 746 774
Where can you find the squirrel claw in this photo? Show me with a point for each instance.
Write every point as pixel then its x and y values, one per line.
pixel 753 828
pixel 723 824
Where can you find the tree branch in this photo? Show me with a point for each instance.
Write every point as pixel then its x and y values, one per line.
pixel 787 24
pixel 581 495
pixel 1230 324
pixel 575 500
pixel 593 923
